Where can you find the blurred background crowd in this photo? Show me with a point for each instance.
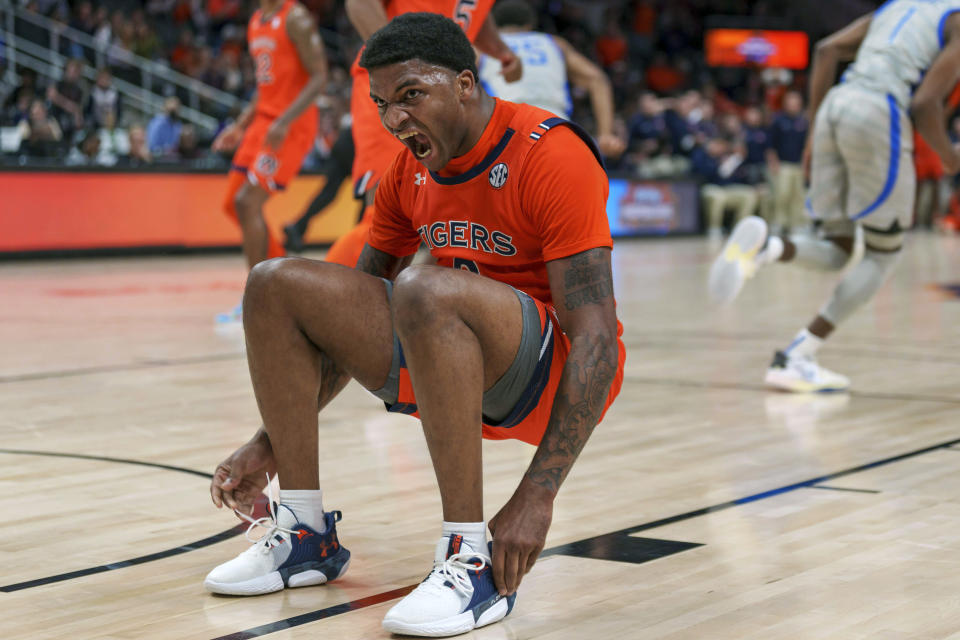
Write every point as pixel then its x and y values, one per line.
pixel 130 83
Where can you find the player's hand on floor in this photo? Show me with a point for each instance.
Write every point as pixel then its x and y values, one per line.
pixel 239 480
pixel 519 532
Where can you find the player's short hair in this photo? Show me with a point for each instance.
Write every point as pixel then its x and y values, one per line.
pixel 514 13
pixel 429 37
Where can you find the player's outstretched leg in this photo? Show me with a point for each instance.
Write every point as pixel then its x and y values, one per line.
pixel 737 261
pixel 795 368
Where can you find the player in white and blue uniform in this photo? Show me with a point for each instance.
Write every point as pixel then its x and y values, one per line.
pixel 551 64
pixel 906 61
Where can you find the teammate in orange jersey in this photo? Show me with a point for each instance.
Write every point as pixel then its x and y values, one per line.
pixel 513 334
pixel 374 148
pixel 278 126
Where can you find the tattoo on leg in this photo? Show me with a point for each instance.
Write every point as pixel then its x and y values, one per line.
pixel 332 380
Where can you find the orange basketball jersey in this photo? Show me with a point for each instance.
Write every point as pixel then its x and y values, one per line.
pixel 469 14
pixel 530 191
pixel 280 74
pixel 504 209
pixel 374 148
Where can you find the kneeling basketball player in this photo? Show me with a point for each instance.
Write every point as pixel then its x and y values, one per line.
pixel 512 334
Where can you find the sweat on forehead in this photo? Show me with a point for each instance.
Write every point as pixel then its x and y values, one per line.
pixel 396 77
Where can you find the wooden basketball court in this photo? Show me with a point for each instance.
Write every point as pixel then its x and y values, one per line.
pixel 703 507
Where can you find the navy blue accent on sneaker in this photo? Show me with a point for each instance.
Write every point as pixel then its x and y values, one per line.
pixel 312 550
pixel 476 170
pixel 485 593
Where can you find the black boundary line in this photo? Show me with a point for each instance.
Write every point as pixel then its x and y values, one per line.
pixel 81 456
pixel 110 368
pixel 362 603
pixel 159 555
pixel 823 486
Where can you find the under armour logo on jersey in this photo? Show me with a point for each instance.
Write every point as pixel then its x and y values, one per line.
pixel 419 178
pixel 498 175
pixel 275 23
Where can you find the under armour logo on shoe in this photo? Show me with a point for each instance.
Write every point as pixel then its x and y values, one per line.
pixel 419 178
pixel 303 533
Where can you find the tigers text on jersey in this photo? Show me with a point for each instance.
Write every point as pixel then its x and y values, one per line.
pixel 280 74
pixel 544 81
pixel 904 38
pixel 531 190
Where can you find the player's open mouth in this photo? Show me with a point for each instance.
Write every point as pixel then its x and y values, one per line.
pixel 417 142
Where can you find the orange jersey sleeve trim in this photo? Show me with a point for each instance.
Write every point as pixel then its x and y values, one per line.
pixel 563 189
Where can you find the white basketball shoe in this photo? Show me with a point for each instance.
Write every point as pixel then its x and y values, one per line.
pixel 290 554
pixel 457 596
pixel 738 261
pixel 802 374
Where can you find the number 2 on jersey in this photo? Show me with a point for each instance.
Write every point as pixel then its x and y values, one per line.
pixel 264 68
pixel 466 265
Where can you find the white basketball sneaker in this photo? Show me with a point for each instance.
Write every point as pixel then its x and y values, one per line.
pixel 290 554
pixel 457 596
pixel 737 261
pixel 803 375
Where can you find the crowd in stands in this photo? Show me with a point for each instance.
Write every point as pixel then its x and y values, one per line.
pixel 740 132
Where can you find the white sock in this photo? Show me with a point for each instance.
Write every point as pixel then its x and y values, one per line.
pixel 474 533
pixel 773 250
pixel 307 504
pixel 804 345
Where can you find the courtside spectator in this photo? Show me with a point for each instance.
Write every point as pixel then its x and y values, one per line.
pixel 163 131
pixel 40 135
pixel 788 135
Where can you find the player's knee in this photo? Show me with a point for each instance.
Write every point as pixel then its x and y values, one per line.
pixel 267 280
pixel 418 297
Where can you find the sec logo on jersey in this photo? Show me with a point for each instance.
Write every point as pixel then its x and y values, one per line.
pixel 498 175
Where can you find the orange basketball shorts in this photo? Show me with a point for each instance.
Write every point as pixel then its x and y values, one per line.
pixel 270 168
pixel 528 419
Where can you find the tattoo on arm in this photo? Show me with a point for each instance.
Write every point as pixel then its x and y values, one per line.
pixel 378 263
pixel 588 280
pixel 587 374
pixel 586 381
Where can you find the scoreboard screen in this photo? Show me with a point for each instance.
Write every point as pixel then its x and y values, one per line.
pixel 757 48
